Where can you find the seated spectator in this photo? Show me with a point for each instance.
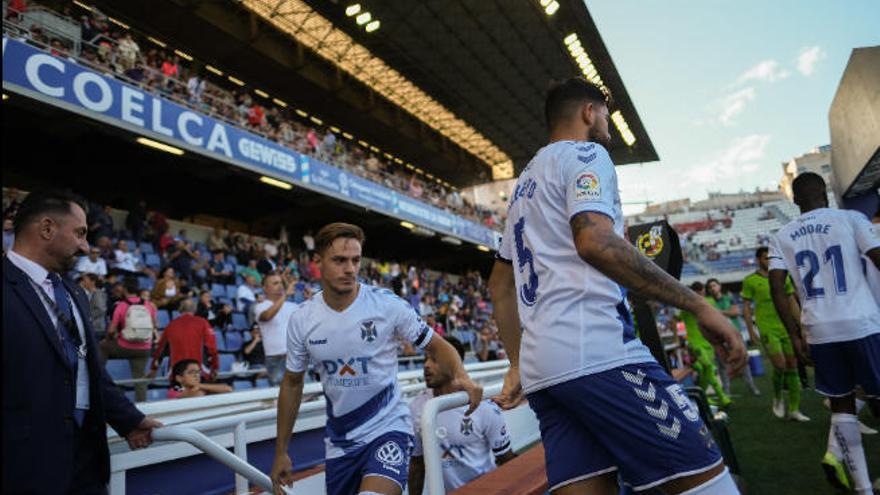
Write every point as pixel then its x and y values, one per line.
pixel 189 337
pixel 216 242
pixel 128 51
pixel 130 263
pixel 219 315
pixel 251 270
pixel 168 291
pixel 246 294
pixel 100 224
pixel 217 270
pixel 267 264
pixel 93 263
pixel 253 351
pixel 186 381
pixel 487 345
pixel 132 318
pixel 180 257
pixel 97 301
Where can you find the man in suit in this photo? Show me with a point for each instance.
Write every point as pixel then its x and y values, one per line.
pixel 56 397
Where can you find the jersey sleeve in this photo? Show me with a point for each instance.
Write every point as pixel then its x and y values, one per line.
pixel 496 429
pixel 777 262
pixel 505 252
pixel 866 236
pixel 409 325
pixel 589 180
pixel 748 291
pixel 297 353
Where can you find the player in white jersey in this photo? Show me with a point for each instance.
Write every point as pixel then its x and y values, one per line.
pixel 349 332
pixel 605 407
pixel 472 445
pixel 823 249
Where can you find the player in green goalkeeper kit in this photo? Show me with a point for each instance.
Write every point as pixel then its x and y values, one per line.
pixel 703 353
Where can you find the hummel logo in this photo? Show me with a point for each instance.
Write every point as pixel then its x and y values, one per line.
pixel 317 342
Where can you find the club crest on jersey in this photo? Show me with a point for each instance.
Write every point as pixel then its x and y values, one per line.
pixel 368 331
pixel 467 426
pixel 587 187
pixel 651 243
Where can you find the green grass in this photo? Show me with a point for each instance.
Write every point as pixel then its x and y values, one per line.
pixel 782 457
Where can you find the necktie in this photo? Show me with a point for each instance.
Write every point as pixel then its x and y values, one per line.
pixel 63 303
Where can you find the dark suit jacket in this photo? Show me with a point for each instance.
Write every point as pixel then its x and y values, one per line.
pixel 39 394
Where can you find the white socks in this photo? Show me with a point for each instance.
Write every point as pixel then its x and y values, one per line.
pixel 722 484
pixel 845 442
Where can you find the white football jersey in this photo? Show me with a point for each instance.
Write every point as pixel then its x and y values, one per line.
pixel 575 320
pixel 355 353
pixel 469 443
pixel 822 250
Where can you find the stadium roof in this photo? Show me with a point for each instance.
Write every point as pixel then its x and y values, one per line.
pixel 454 86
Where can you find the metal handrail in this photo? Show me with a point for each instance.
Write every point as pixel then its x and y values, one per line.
pixel 430 439
pixel 216 452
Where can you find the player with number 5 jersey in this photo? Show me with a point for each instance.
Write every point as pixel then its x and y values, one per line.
pixel 559 292
pixel 823 251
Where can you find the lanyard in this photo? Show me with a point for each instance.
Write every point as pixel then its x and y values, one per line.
pixel 70 325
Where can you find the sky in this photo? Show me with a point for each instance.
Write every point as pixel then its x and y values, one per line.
pixel 728 90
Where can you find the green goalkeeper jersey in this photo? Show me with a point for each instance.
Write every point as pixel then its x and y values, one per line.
pixel 756 288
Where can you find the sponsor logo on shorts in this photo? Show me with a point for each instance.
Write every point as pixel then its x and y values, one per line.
pixel 390 455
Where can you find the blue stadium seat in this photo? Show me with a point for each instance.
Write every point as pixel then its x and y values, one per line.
pixel 231 292
pixel 243 385
pixel 175 314
pixel 246 337
pixel 239 321
pixel 224 300
pixel 233 340
pixel 162 318
pixel 146 283
pixel 118 369
pixel 226 361
pixel 229 267
pixel 147 248
pixel 263 383
pixel 155 394
pixel 218 290
pixel 152 260
pixel 230 258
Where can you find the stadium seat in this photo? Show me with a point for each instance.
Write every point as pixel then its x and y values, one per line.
pixel 226 361
pixel 224 300
pixel 118 369
pixel 230 258
pixel 239 321
pixel 162 318
pixel 152 260
pixel 231 292
pixel 146 283
pixel 246 337
pixel 218 290
pixel 243 385
pixel 175 314
pixel 233 340
pixel 263 383
pixel 147 248
pixel 155 394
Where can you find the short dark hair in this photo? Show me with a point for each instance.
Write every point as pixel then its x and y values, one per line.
pixel 697 286
pixel 761 251
pixel 51 202
pixel 131 285
pixel 564 96
pixel 333 231
pixel 808 186
pixel 457 344
pixel 179 367
pixel 712 280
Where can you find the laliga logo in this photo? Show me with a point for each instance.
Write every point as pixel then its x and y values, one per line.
pixel 651 242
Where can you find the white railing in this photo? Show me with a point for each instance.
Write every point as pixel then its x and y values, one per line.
pixel 521 420
pixel 191 419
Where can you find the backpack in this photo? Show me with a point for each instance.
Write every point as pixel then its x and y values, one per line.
pixel 138 323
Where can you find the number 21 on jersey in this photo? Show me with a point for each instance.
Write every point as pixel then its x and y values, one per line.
pixel 810 260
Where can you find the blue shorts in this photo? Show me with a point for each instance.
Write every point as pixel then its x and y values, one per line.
pixel 842 366
pixel 386 456
pixel 634 419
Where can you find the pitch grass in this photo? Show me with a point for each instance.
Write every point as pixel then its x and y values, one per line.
pixel 779 457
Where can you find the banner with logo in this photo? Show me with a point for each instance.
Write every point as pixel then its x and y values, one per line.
pixel 659 241
pixel 64 83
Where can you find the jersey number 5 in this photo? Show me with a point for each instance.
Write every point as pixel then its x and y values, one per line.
pixel 529 291
pixel 834 255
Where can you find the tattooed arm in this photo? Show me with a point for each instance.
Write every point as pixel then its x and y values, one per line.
pixel 599 246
